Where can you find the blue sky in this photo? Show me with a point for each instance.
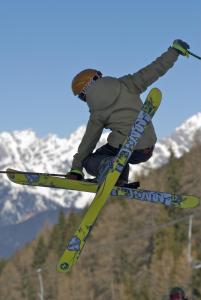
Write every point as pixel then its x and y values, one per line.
pixel 45 43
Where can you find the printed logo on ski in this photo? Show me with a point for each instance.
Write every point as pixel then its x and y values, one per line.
pixel 74 244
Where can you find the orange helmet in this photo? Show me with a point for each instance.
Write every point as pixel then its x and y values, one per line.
pixel 82 79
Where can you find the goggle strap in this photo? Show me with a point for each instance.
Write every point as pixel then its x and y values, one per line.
pixel 82 94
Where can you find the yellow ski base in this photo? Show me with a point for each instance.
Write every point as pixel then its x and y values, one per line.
pixel 48 181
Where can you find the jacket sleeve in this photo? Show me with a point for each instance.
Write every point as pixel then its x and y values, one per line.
pixel 140 80
pixel 90 139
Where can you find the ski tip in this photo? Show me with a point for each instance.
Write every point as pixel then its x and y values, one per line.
pixel 156 90
pixel 10 173
pixel 189 202
pixel 156 96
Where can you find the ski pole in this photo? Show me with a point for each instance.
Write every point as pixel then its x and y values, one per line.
pixel 193 54
pixel 32 173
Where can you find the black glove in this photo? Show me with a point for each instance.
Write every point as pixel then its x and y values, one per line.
pixel 75 174
pixel 181 46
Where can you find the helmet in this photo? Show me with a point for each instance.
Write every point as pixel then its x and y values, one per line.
pixel 82 79
pixel 177 293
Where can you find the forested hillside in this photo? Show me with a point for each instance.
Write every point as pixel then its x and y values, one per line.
pixel 137 251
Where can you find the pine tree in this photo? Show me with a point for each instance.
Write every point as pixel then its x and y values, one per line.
pixel 173 175
pixel 57 237
pixel 40 253
pixel 2 265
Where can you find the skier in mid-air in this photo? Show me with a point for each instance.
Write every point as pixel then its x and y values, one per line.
pixel 114 103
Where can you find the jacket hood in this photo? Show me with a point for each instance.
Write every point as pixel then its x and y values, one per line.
pixel 102 93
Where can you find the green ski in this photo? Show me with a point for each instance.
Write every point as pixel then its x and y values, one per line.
pixel 56 181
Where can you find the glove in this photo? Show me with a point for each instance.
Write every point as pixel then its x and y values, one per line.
pixel 182 47
pixel 75 174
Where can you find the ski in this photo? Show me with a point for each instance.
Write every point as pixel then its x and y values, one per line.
pixel 77 242
pixel 54 181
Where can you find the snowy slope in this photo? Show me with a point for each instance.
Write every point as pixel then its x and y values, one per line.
pixel 179 143
pixel 23 150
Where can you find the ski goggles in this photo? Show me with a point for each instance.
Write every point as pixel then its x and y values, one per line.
pixel 82 95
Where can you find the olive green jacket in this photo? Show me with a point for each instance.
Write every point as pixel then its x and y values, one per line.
pixel 114 104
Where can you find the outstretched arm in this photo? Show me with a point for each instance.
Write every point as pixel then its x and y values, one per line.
pixel 143 78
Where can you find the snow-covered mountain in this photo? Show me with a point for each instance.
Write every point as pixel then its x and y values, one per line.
pixel 23 150
pixel 180 142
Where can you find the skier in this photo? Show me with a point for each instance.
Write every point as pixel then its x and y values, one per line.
pixel 177 293
pixel 114 104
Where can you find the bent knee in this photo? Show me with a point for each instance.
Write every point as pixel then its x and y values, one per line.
pixel 140 156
